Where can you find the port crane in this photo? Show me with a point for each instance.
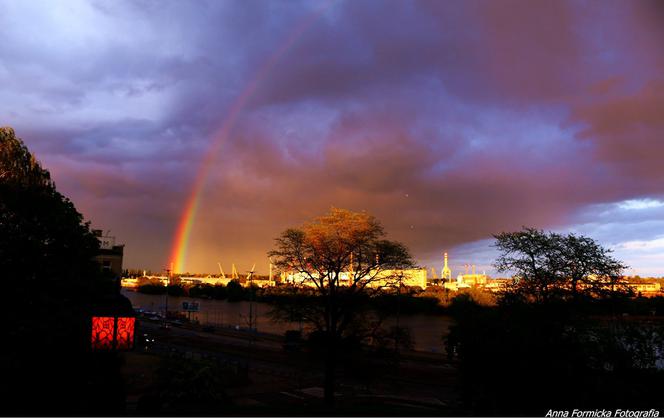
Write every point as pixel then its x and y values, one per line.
pixel 250 274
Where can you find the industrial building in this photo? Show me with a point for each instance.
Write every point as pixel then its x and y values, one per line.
pixel 378 279
pixel 465 280
pixel 111 259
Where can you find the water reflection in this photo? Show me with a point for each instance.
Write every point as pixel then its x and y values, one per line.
pixel 426 330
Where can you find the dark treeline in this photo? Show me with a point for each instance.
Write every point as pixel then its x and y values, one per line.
pixel 564 336
pixel 234 291
pixel 521 358
pixel 434 300
pixel 407 302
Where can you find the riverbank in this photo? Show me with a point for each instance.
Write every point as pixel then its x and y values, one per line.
pixel 427 330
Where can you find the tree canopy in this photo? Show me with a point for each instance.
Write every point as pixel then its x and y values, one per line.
pixel 51 282
pixel 43 239
pixel 341 253
pixel 340 241
pixel 550 264
pixel 46 253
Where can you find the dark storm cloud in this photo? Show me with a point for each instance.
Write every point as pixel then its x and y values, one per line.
pixel 627 130
pixel 448 120
pixel 479 50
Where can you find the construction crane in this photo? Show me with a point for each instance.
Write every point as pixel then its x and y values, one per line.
pixel 223 275
pixel 251 272
pixel 271 264
pixel 234 274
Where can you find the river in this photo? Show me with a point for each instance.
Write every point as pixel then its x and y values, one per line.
pixel 427 330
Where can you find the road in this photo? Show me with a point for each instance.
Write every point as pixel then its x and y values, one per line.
pixel 422 379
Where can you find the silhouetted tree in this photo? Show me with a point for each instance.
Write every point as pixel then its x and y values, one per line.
pixel 319 252
pixel 46 249
pixel 589 267
pixel 553 355
pixel 48 273
pixel 547 265
pixel 534 257
pixel 235 291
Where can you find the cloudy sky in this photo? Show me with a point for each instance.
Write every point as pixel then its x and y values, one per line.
pixel 448 120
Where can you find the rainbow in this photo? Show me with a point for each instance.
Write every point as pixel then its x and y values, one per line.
pixel 183 233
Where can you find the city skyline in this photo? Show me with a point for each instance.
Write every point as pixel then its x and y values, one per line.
pixel 190 137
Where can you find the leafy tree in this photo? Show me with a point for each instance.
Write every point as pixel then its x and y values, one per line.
pixel 552 355
pixel 588 266
pixel 319 252
pixel 533 256
pixel 188 387
pixel 151 288
pixel 49 276
pixel 547 265
pixel 235 291
pixel 46 249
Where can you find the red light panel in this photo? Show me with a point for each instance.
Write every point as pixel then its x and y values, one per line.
pixel 125 333
pixel 102 332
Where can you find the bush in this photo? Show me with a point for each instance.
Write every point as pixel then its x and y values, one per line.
pixel 152 289
pixel 235 291
pixel 552 357
pixel 176 290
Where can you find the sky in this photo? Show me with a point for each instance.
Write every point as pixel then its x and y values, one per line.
pixel 449 121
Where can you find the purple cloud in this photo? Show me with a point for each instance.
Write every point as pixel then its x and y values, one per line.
pixel 448 120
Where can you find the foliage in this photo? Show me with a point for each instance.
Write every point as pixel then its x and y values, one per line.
pixel 235 291
pixel 407 303
pixel 319 251
pixel 52 282
pixel 184 386
pixel 341 241
pixel 478 295
pixel 153 289
pixel 46 249
pixel 553 356
pixel 445 298
pixel 550 265
pixel 217 292
pixel 176 290
pixel 550 339
pixel 442 295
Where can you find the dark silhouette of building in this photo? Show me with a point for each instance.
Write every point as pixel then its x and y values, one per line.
pixel 110 255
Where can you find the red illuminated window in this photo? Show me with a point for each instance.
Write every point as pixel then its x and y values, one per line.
pixel 125 333
pixel 112 333
pixel 102 332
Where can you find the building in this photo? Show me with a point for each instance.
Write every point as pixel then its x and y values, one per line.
pixel 404 277
pixel 446 273
pixel 379 279
pixel 475 279
pixel 129 283
pixel 640 287
pixel 205 280
pixel 110 254
pixel 646 289
pixel 465 280
pixel 498 285
pixel 259 282
pixel 456 285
